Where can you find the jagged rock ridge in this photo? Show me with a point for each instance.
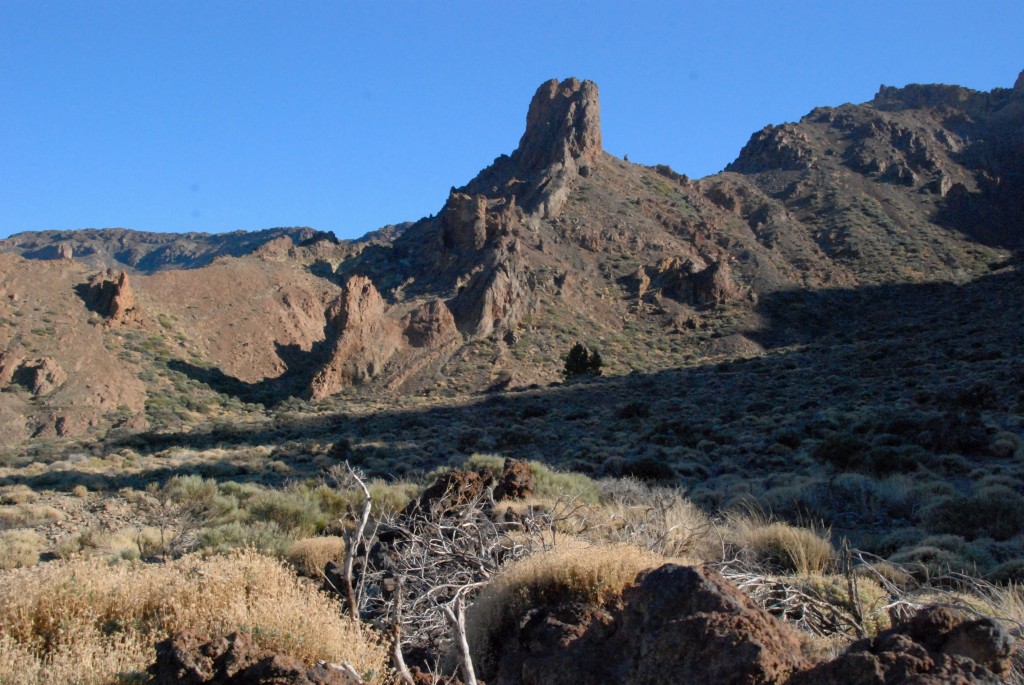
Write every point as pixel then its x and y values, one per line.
pixel 555 243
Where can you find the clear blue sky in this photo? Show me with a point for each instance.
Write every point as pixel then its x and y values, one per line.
pixel 345 116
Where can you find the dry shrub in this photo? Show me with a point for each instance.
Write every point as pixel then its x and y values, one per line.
pixel 310 555
pixel 19 548
pixel 28 515
pixel 573 571
pixel 17 494
pixel 870 600
pixel 129 543
pixel 780 546
pixel 658 519
pixel 86 621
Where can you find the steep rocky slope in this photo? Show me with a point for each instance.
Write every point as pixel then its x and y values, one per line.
pixel 554 243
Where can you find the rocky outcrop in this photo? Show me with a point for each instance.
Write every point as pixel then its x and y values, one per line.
pixel 495 298
pixel 563 127
pixel 110 295
pixel 361 339
pixel 189 659
pixel 561 143
pixel 40 376
pixel 933 648
pixel 675 624
pixel 470 222
pixel 714 285
pixel 688 282
pixel 689 625
pixel 784 147
pixel 516 481
pixel 430 325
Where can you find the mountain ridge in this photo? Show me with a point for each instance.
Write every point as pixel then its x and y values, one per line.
pixel 554 243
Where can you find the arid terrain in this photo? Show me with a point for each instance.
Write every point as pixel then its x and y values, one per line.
pixel 811 380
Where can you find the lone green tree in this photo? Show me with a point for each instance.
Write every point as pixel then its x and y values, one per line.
pixel 582 362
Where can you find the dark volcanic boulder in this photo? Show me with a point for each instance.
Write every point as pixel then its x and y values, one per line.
pixel 187 659
pixel 933 648
pixel 675 624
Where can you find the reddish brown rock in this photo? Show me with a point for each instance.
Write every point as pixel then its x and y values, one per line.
pixel 110 294
pixel 40 376
pixel 496 297
pixel 188 659
pixel 65 251
pixel 361 339
pixel 451 490
pixel 464 221
pixel 516 480
pixel 470 222
pixel 675 624
pixel 714 285
pixel 430 325
pixel 935 647
pixel 563 125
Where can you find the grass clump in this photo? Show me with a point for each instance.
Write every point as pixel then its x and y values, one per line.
pixel 86 621
pixel 19 515
pixel 309 556
pixel 19 548
pixel 782 547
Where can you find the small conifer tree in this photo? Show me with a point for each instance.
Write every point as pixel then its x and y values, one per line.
pixel 581 361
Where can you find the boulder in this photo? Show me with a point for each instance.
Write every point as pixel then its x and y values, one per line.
pixel 450 491
pixel 516 480
pixel 188 659
pixel 674 624
pixel 935 646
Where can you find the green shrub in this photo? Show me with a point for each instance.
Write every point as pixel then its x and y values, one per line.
pixel 996 512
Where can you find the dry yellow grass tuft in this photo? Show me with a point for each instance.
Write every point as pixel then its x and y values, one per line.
pixel 572 571
pixel 19 548
pixel 28 515
pixel 86 621
pixel 310 555
pixel 781 546
pixel 17 494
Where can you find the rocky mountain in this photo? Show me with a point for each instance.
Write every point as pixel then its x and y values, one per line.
pixel 555 243
pixel 120 248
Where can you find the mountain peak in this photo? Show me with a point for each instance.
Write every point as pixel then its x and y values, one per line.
pixel 563 126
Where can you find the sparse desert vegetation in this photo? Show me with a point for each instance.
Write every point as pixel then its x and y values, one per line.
pixel 589 409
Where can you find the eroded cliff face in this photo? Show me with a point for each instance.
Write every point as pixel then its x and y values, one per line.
pixel 367 340
pixel 361 339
